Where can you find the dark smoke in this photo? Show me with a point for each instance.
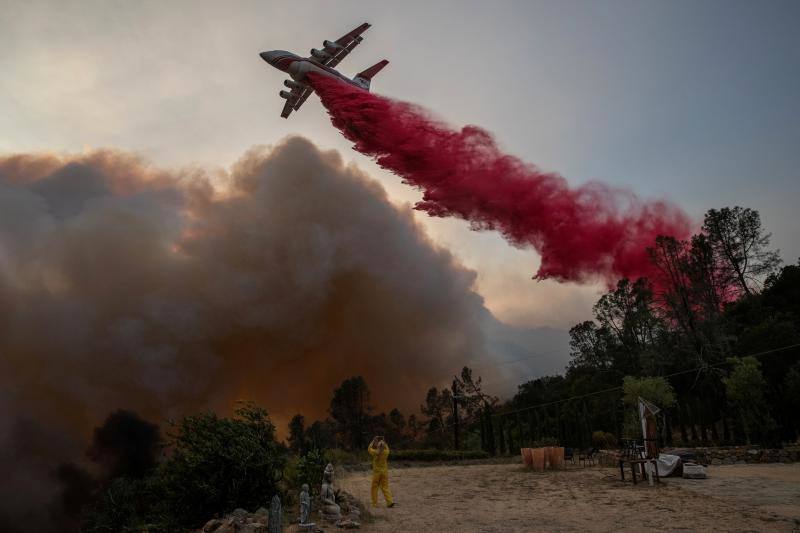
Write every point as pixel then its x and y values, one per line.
pixel 125 285
pixel 581 233
pixel 125 445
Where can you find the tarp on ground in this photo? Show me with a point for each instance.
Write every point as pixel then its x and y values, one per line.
pixel 667 464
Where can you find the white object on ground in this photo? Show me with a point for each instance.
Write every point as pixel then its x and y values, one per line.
pixel 694 471
pixel 667 464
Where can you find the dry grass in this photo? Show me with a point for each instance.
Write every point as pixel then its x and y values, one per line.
pixel 505 497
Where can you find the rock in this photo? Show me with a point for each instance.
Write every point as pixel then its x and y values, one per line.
pixel 212 525
pixel 262 511
pixel 331 518
pixel 348 524
pixel 254 527
pixel 239 521
pixel 693 471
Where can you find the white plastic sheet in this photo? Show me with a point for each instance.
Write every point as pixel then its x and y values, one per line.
pixel 667 464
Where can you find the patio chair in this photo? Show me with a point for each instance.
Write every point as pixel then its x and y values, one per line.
pixel 588 456
pixel 637 456
pixel 569 455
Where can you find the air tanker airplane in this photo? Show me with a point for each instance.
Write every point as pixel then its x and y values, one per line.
pixel 320 62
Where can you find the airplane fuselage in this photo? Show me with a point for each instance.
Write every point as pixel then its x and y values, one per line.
pixel 320 62
pixel 299 67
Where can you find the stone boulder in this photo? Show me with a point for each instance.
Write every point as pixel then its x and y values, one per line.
pixel 239 521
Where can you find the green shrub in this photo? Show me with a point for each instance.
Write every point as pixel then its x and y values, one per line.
pixel 338 457
pixel 656 390
pixel 544 441
pixel 603 440
pixel 219 464
pixel 127 505
pixel 309 469
pixel 437 455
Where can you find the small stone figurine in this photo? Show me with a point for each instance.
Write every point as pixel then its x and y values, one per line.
pixel 305 507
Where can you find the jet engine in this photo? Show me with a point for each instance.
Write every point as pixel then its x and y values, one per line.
pixel 330 45
pixel 287 95
pixel 320 54
pixel 293 84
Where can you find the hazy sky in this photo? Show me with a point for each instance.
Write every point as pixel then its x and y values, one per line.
pixel 695 101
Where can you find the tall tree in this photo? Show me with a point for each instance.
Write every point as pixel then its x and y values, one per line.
pixel 321 435
pixel 737 237
pixel 746 387
pixel 412 428
pixel 297 434
pixel 438 407
pixel 669 255
pixel 396 427
pixel 350 409
pixel 627 313
pixel 479 403
pixel 591 346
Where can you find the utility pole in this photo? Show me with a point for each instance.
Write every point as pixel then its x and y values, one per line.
pixel 455 415
pixel 492 449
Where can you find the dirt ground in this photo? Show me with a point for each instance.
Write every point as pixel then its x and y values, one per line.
pixel 505 497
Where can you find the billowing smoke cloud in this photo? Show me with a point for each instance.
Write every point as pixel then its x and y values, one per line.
pixel 124 285
pixel 593 231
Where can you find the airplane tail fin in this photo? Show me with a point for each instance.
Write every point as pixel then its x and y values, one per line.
pixel 365 76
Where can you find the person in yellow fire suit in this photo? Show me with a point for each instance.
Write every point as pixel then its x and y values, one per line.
pixel 379 451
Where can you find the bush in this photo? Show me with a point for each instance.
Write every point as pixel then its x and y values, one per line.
pixel 746 389
pixel 216 465
pixel 127 505
pixel 219 464
pixel 338 457
pixel 603 440
pixel 309 470
pixel 543 442
pixel 437 455
pixel 656 390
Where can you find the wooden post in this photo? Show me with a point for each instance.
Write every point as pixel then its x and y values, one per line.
pixel 455 415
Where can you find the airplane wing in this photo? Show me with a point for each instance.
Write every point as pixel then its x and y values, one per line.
pixel 303 96
pixel 293 104
pixel 338 50
pixel 287 109
pixel 345 43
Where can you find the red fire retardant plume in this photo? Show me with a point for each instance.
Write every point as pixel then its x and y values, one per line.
pixel 589 232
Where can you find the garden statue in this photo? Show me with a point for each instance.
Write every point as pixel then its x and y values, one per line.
pixel 305 507
pixel 275 518
pixel 330 510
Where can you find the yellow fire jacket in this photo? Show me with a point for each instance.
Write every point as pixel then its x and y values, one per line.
pixel 380 461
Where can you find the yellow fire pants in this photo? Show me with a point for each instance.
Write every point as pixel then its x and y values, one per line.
pixel 381 479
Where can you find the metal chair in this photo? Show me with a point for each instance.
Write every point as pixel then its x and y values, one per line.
pixel 569 455
pixel 636 454
pixel 588 456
